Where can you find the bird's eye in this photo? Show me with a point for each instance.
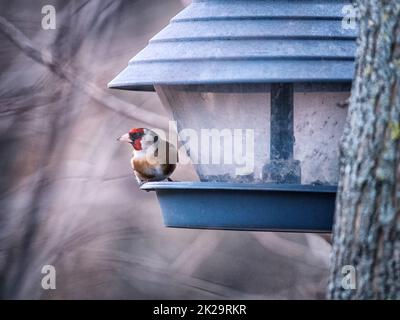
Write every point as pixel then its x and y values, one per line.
pixel 155 138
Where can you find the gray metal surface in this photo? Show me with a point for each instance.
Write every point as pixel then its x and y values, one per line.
pixel 254 41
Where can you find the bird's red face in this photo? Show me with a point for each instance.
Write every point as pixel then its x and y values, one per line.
pixel 134 137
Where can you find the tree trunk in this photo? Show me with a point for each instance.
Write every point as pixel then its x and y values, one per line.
pixel 367 222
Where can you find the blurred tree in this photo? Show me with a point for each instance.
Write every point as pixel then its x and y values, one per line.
pixel 367 226
pixel 67 196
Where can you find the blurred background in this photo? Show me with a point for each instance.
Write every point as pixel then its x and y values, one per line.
pixel 67 194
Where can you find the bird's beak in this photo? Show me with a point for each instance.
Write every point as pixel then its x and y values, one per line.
pixel 125 138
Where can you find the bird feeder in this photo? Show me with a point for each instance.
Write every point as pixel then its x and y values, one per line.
pixel 274 74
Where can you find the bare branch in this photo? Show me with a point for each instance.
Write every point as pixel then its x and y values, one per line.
pixel 99 95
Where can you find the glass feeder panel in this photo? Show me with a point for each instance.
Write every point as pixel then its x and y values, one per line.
pixel 224 128
pixel 319 119
pixel 236 133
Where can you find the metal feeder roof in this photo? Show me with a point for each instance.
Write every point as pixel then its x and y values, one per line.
pixel 253 41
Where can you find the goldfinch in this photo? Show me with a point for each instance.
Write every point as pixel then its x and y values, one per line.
pixel 153 159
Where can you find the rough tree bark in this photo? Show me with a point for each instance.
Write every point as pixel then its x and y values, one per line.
pixel 367 221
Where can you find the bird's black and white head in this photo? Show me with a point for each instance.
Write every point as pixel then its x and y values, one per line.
pixel 140 138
